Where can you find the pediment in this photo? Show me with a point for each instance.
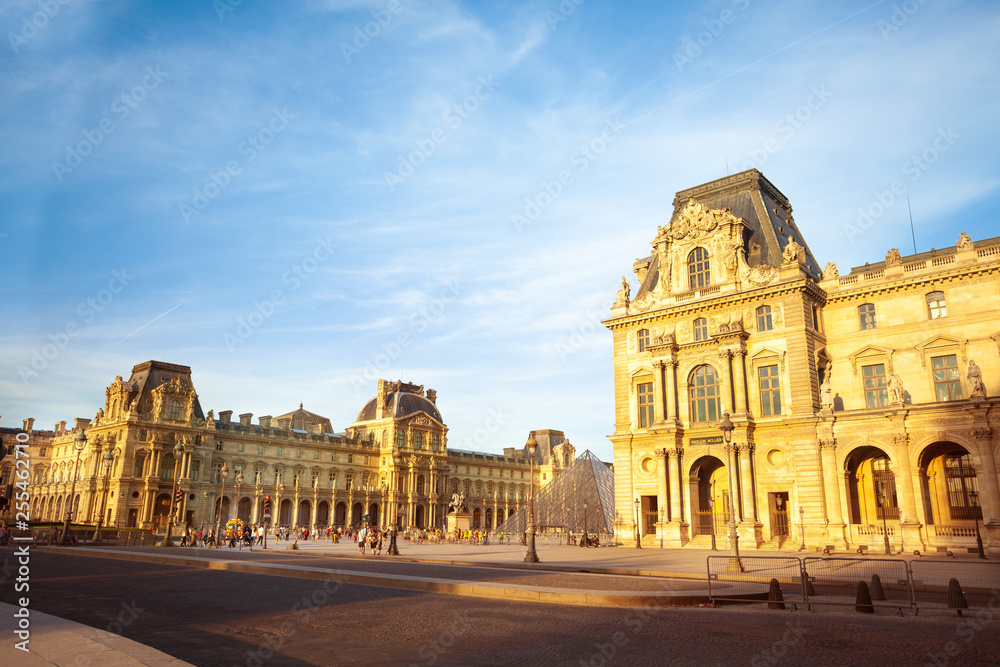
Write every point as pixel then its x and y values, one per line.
pixel 941 343
pixel 765 354
pixel 873 353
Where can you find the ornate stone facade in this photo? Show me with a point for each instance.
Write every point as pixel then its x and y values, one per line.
pixel 855 398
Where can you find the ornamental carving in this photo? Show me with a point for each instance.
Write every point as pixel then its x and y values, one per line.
pixel 622 298
pixel 794 252
pixel 830 272
pixel 760 275
pixel 964 243
pixel 892 258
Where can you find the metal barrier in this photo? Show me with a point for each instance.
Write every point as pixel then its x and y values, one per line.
pixel 748 578
pixel 979 582
pixel 835 581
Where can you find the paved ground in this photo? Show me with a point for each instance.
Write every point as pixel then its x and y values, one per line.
pixel 209 617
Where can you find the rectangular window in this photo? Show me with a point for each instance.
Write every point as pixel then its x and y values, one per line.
pixel 350 458
pixel 645 404
pixel 316 455
pixel 195 470
pixel 216 472
pixel 936 307
pixel 643 339
pixel 239 447
pixel 281 450
pixel 315 480
pixel 866 315
pixel 815 311
pixel 298 453
pixel 770 391
pixel 349 480
pixel 218 445
pixel 876 394
pixel 947 385
pixel 260 449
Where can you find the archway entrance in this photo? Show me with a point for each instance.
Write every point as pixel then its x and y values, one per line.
pixel 285 513
pixel 421 517
pixel 477 516
pixel 305 513
pixel 357 512
pixel 950 491
pixel 489 518
pixel 374 514
pixel 871 489
pixel 340 514
pixel 243 509
pixel 225 510
pixel 161 508
pixel 323 513
pixel 711 501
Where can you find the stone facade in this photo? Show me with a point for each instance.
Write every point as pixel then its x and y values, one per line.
pixel 392 463
pixel 863 404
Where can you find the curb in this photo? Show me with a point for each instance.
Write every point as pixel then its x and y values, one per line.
pixel 510 592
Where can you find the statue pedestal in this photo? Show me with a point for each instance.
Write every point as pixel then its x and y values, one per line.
pixel 459 521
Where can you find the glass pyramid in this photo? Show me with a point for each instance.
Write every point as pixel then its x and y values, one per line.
pixel 559 504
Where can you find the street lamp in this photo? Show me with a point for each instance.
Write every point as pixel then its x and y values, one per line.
pixel 239 483
pixel 638 538
pixel 974 496
pixel 80 443
pixel 885 527
pixel 393 547
pixel 735 565
pixel 223 473
pixel 204 512
pixel 531 556
pixel 711 513
pixel 802 526
pixel 584 542
pixel 175 505
pixel 109 459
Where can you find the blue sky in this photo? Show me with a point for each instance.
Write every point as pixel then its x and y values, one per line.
pixel 295 201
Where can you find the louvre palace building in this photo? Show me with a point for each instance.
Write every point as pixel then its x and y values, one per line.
pixel 864 404
pixel 151 439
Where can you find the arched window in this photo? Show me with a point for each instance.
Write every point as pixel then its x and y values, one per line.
pixel 866 314
pixel 643 339
pixel 174 410
pixel 885 489
pixel 700 329
pixel 704 395
pixel 963 487
pixel 764 322
pixel 699 272
pixel 936 308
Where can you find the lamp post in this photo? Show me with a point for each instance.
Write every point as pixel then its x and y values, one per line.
pixel 802 526
pixel 735 564
pixel 974 496
pixel 239 483
pixel 175 506
pixel 204 512
pixel 80 442
pixel 885 525
pixel 638 536
pixel 584 543
pixel 711 513
pixel 393 547
pixel 531 556
pixel 223 473
pixel 109 458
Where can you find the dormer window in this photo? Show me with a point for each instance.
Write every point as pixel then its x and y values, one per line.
pixel 699 271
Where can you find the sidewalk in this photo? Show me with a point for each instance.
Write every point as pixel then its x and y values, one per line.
pixel 56 641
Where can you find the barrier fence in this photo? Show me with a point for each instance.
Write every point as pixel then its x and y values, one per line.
pixel 888 582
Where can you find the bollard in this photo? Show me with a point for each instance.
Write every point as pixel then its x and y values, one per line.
pixel 774 598
pixel 876 588
pixel 956 596
pixel 863 603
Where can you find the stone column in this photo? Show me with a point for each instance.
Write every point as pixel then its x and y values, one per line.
pixel 671 374
pixel 661 486
pixel 739 380
pixel 658 394
pixel 676 514
pixel 909 525
pixel 746 452
pixel 986 475
pixel 833 482
pixel 725 382
pixel 734 496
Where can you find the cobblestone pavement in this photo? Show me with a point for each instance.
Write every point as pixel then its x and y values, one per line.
pixel 223 618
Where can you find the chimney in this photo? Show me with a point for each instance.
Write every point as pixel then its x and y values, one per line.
pixel 60 428
pixel 265 421
pixel 226 416
pixel 432 396
pixel 284 424
pixel 29 424
pixel 80 422
pixel 245 418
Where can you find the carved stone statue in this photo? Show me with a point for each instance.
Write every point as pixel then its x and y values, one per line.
pixel 458 503
pixel 793 252
pixel 976 387
pixel 624 293
pixel 826 393
pixel 892 257
pixel 895 385
pixel 830 272
pixel 964 242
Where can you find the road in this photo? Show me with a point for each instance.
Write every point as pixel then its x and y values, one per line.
pixel 211 617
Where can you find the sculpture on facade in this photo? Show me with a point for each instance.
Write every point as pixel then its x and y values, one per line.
pixel 826 392
pixel 830 272
pixel 792 252
pixel 458 503
pixel 976 387
pixel 895 386
pixel 623 293
pixel 892 258
pixel 964 242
